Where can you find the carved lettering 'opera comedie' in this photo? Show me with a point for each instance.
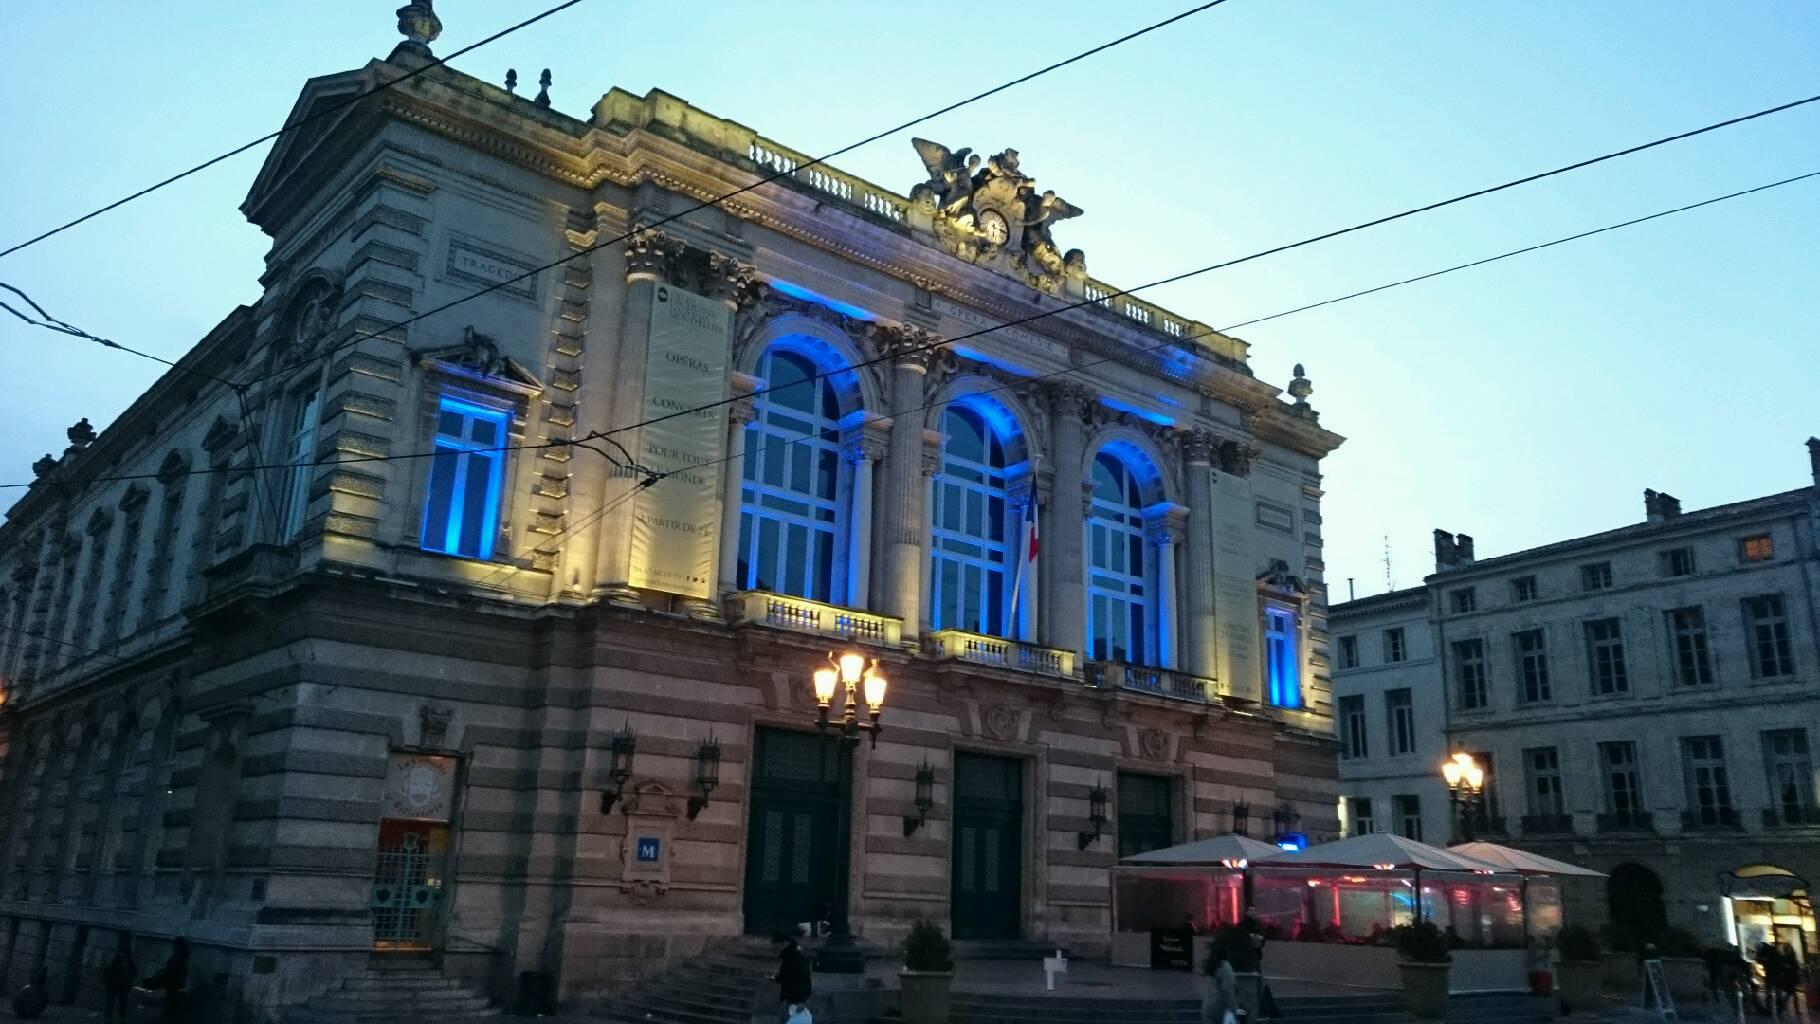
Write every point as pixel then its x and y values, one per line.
pixel 476 633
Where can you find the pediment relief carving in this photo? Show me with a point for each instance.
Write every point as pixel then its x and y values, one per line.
pixel 479 356
pixel 987 211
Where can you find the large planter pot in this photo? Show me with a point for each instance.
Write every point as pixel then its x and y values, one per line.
pixel 1580 983
pixel 924 996
pixel 1425 987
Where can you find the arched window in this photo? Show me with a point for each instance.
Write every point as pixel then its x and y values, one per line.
pixel 1121 594
pixel 972 564
pixel 791 518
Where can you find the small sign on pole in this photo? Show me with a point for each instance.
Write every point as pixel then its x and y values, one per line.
pixel 1658 988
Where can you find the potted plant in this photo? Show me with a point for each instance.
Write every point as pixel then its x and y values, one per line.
pixel 1581 969
pixel 1423 959
pixel 927 975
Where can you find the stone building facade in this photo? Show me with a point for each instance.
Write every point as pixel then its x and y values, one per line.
pixel 347 659
pixel 1646 702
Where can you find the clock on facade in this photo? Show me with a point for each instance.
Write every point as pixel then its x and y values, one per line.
pixel 992 225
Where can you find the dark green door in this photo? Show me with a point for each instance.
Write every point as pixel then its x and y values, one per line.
pixel 795 853
pixel 988 847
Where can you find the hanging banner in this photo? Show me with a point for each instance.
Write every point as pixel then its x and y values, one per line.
pixel 676 522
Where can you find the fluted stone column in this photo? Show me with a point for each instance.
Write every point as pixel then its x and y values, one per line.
pixel 862 452
pixel 909 351
pixel 1198 625
pixel 733 474
pixel 1062 532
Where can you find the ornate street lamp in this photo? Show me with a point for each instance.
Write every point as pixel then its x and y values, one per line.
pixel 1465 791
pixel 707 775
pixel 925 799
pixel 624 749
pixel 861 679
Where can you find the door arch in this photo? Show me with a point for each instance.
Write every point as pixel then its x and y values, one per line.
pixel 1634 894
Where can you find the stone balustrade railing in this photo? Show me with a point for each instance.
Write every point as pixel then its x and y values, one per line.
pixel 781 611
pixel 960 645
pixel 1162 682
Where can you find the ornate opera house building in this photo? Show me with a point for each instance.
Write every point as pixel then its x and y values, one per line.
pixel 490 631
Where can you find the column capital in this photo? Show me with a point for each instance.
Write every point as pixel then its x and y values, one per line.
pixel 728 279
pixel 651 255
pixel 906 346
pixel 1166 524
pixel 1197 446
pixel 1069 398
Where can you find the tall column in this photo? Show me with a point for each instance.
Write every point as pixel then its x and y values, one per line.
pixel 1062 533
pixel 1198 624
pixel 909 350
pixel 732 480
pixel 649 256
pixel 1163 529
pixel 862 452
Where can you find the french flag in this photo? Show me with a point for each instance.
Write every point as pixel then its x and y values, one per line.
pixel 1027 556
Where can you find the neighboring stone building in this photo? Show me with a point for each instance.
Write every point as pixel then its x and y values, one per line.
pixel 279 683
pixel 1646 701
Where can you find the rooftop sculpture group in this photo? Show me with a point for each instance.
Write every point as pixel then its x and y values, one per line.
pixel 988 211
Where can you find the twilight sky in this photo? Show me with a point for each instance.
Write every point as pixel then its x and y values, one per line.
pixel 1521 403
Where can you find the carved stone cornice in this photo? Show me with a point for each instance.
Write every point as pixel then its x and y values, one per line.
pixel 757 303
pixel 1236 457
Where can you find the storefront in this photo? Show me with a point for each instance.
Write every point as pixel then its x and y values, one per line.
pixel 1765 904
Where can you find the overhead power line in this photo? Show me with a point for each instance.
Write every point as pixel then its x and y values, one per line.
pixel 361 336
pixel 288 128
pixel 1169 343
pixel 50 323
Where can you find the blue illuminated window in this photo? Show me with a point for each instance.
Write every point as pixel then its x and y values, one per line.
pixel 791 521
pixel 300 454
pixel 461 510
pixel 1120 596
pixel 1283 660
pixel 971 567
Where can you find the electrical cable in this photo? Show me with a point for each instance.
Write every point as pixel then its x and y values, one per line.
pixel 794 170
pixel 51 323
pixel 290 127
pixel 1171 342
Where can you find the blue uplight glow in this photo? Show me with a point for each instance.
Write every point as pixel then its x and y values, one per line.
pixel 1154 417
pixel 797 291
pixel 977 356
pixel 1295 842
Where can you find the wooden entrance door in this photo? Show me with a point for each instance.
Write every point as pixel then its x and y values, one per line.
pixel 796 856
pixel 988 877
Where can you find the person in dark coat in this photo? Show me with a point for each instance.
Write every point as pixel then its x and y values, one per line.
pixel 34 998
pixel 117 980
pixel 172 979
pixel 794 977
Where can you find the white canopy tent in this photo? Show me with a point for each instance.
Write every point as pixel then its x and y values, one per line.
pixel 1384 851
pixel 1230 850
pixel 1522 861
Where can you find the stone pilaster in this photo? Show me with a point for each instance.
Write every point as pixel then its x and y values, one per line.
pixel 1061 556
pixel 1198 624
pixel 909 351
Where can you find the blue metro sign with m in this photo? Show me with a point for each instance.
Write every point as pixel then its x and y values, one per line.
pixel 649 848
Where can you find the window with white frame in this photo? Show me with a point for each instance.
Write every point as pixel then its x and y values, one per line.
pixel 1709 792
pixel 1349 652
pixel 1623 783
pixel 1693 662
pixel 299 453
pixel 1121 603
pixel 467 476
pixel 1531 647
pixel 1407 810
pixel 1395 648
pixel 1354 741
pixel 1766 627
pixel 972 562
pixel 1605 653
pixel 1358 809
pixel 1547 797
pixel 1282 656
pixel 1791 777
pixel 1400 711
pixel 1469 673
pixel 791 519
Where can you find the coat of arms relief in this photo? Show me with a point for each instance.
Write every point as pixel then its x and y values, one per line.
pixel 986 210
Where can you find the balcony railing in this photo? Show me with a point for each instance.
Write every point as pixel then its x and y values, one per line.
pixel 780 611
pixel 1711 819
pixel 1163 682
pixel 1626 821
pixel 1791 816
pixel 958 645
pixel 1548 824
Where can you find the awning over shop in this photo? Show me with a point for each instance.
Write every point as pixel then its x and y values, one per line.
pixel 1384 851
pixel 1762 881
pixel 1229 850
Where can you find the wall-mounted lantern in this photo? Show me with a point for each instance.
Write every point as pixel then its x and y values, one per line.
pixel 625 748
pixel 707 775
pixel 925 799
pixel 1241 817
pixel 1096 816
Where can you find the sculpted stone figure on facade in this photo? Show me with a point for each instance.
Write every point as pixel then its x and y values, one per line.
pixel 991 213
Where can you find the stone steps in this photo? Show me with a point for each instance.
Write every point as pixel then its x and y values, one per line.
pixel 720 988
pixel 390 992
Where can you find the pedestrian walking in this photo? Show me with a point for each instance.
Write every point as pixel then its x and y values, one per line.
pixel 117 980
pixel 795 980
pixel 1221 1003
pixel 171 980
